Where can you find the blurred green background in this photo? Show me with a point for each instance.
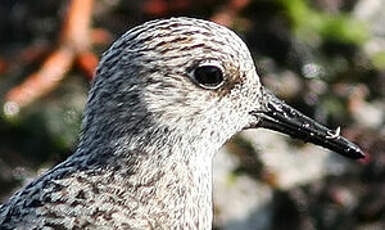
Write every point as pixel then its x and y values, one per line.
pixel 324 57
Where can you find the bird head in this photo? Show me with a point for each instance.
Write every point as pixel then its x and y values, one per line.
pixel 196 79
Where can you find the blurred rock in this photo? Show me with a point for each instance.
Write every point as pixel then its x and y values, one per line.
pixel 372 12
pixel 240 202
pixel 294 165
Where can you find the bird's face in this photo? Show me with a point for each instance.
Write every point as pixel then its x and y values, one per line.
pixel 199 78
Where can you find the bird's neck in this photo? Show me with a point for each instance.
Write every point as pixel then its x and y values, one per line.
pixel 165 177
pixel 178 191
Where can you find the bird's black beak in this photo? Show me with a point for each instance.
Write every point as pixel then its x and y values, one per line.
pixel 276 115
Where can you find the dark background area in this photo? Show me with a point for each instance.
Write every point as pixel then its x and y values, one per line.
pixel 324 57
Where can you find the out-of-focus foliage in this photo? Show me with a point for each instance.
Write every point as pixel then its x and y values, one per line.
pixel 308 23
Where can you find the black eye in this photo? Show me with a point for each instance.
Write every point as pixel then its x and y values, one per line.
pixel 208 76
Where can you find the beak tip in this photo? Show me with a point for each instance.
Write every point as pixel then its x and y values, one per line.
pixel 365 159
pixel 361 154
pixel 357 153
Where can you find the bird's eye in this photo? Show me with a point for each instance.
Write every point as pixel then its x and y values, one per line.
pixel 208 76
